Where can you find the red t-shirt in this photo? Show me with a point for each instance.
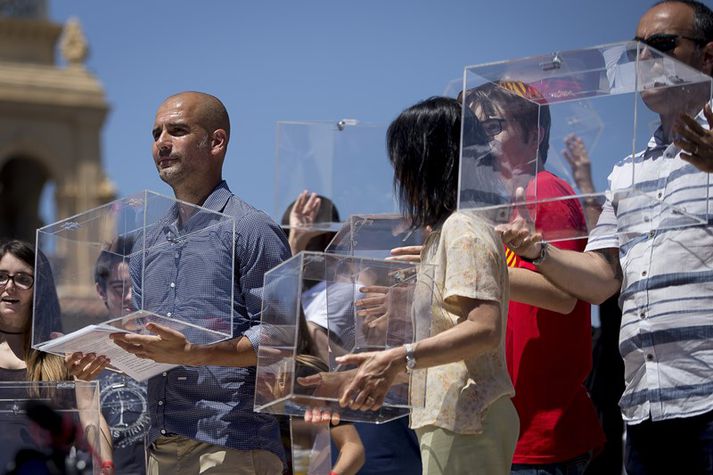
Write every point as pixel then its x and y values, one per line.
pixel 549 355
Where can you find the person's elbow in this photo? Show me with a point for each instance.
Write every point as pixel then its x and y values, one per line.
pixel 603 292
pixel 564 305
pixel 489 328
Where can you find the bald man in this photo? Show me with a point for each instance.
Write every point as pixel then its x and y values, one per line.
pixel 201 413
pixel 665 275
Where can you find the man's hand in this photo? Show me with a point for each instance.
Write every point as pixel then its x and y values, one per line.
pixel 85 367
pixel 166 346
pixel 696 142
pixel 519 234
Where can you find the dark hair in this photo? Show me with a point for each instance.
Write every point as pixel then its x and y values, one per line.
pixel 111 257
pixel 20 249
pixel 423 144
pixel 702 17
pixel 522 103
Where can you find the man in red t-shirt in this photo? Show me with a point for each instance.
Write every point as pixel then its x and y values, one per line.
pixel 549 332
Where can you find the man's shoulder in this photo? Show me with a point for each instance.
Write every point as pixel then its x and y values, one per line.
pixel 253 227
pixel 246 215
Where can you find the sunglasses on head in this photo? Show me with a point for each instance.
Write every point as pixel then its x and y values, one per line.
pixel 664 42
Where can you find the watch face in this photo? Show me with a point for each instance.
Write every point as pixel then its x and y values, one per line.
pixel 124 406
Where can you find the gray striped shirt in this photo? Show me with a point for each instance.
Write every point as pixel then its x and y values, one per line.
pixel 656 214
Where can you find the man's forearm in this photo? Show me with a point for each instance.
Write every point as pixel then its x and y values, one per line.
pixel 237 352
pixel 531 288
pixel 589 276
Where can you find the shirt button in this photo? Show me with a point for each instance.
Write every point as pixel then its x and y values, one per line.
pixel 172 284
pixel 163 431
pixel 646 219
pixel 168 314
pixel 652 234
pixel 164 373
pixel 642 314
pixel 160 403
pixel 643 273
pixel 659 194
pixel 650 357
pixel 176 255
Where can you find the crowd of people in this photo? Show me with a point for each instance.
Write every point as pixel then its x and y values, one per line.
pixel 504 367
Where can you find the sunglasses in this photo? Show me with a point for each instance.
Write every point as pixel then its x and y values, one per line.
pixel 664 42
pixel 492 126
pixel 21 280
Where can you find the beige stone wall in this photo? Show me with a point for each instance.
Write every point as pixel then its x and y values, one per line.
pixel 51 118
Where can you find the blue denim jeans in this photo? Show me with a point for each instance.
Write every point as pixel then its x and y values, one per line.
pixel 573 466
pixel 674 446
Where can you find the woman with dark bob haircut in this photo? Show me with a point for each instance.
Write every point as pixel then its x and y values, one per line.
pixel 468 423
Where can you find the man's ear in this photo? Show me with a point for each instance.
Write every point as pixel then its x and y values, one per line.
pixel 708 58
pixel 536 136
pixel 101 292
pixel 219 140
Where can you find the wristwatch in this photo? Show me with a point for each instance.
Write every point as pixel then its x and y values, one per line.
pixel 410 358
pixel 539 259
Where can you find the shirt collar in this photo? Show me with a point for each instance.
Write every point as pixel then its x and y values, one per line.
pixel 658 142
pixel 218 198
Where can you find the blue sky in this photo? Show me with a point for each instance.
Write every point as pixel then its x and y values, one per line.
pixel 305 60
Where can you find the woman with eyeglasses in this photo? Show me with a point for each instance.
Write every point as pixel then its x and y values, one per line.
pixel 18 360
pixel 468 424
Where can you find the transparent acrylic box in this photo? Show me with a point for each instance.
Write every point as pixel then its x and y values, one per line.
pixel 311 448
pixel 344 161
pixel 317 306
pixel 50 423
pixel 610 97
pixel 127 263
pixel 374 236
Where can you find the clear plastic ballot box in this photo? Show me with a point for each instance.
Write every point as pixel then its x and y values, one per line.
pixel 50 427
pixel 115 268
pixel 343 160
pixel 318 306
pixel 374 236
pixel 311 447
pixel 567 131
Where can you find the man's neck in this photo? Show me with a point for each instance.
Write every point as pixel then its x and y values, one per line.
pixel 195 195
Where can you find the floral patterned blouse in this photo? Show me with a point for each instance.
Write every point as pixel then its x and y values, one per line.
pixel 468 260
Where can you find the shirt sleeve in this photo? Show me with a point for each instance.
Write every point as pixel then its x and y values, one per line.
pixel 604 236
pixel 474 265
pixel 261 245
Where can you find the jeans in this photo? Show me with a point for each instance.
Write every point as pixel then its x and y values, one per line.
pixel 573 466
pixel 682 445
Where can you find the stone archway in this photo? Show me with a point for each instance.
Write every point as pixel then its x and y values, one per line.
pixel 51 117
pixel 22 180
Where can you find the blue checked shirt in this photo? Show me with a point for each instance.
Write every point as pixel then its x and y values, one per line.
pixel 666 255
pixel 187 274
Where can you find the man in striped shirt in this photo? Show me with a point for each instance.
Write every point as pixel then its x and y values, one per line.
pixel 647 245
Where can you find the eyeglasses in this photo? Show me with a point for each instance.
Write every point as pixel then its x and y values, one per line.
pixel 492 126
pixel 21 280
pixel 664 42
